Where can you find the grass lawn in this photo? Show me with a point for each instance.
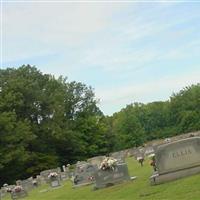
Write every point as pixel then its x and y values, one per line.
pixel 184 189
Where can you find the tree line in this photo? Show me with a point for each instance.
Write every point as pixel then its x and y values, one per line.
pixel 46 122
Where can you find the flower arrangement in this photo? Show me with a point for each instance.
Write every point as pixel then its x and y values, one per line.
pixel 108 163
pixel 91 178
pixel 52 175
pixel 17 188
pixel 8 190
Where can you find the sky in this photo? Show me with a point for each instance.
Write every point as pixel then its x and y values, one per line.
pixel 139 51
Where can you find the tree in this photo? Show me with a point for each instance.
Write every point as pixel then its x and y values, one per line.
pixel 45 122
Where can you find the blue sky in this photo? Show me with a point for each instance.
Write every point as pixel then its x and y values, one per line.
pixel 127 52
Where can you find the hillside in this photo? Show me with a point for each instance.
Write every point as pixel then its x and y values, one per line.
pixel 187 188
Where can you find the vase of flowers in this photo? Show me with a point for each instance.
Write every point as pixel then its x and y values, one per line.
pixel 53 176
pixel 108 163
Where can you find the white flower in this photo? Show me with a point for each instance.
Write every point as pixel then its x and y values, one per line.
pixel 52 174
pixel 108 163
pixel 18 188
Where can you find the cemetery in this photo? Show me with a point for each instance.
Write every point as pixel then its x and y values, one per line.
pixel 99 100
pixel 176 165
pixel 187 188
pixel 67 149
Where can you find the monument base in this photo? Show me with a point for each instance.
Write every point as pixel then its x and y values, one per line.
pixel 162 178
pixel 82 184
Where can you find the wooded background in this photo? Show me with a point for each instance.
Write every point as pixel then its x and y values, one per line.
pixel 46 122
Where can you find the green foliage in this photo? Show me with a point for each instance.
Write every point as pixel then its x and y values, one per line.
pixel 44 122
pixel 128 129
pixel 138 122
pixel 47 122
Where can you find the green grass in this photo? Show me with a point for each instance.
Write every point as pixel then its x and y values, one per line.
pixel 184 189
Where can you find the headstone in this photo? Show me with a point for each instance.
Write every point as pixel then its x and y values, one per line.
pixel 109 177
pixel 36 182
pixel 176 160
pixel 26 184
pixel 80 163
pixel 54 179
pixel 3 192
pixel 55 182
pixel 18 192
pixel 131 152
pixel 149 150
pixel 84 174
pixel 6 189
pixel 96 160
pixel 120 155
pixel 46 173
pixel 40 180
pixel 64 175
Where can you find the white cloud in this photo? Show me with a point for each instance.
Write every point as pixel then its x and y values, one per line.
pixel 118 38
pixel 94 32
pixel 41 28
pixel 159 89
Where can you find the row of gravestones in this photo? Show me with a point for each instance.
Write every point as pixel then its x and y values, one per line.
pixel 173 160
pixel 22 187
pixel 55 181
pixel 89 173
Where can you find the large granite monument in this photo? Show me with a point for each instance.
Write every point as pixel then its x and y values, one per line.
pixel 176 160
pixel 105 178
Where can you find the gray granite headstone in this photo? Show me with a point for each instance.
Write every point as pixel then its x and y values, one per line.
pixel 84 174
pixel 46 173
pixel 26 184
pixel 177 159
pixel 149 150
pixel 109 177
pixel 18 195
pixel 40 179
pixel 3 192
pixel 120 155
pixel 96 160
pixel 131 152
pixel 64 175
pixel 55 182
